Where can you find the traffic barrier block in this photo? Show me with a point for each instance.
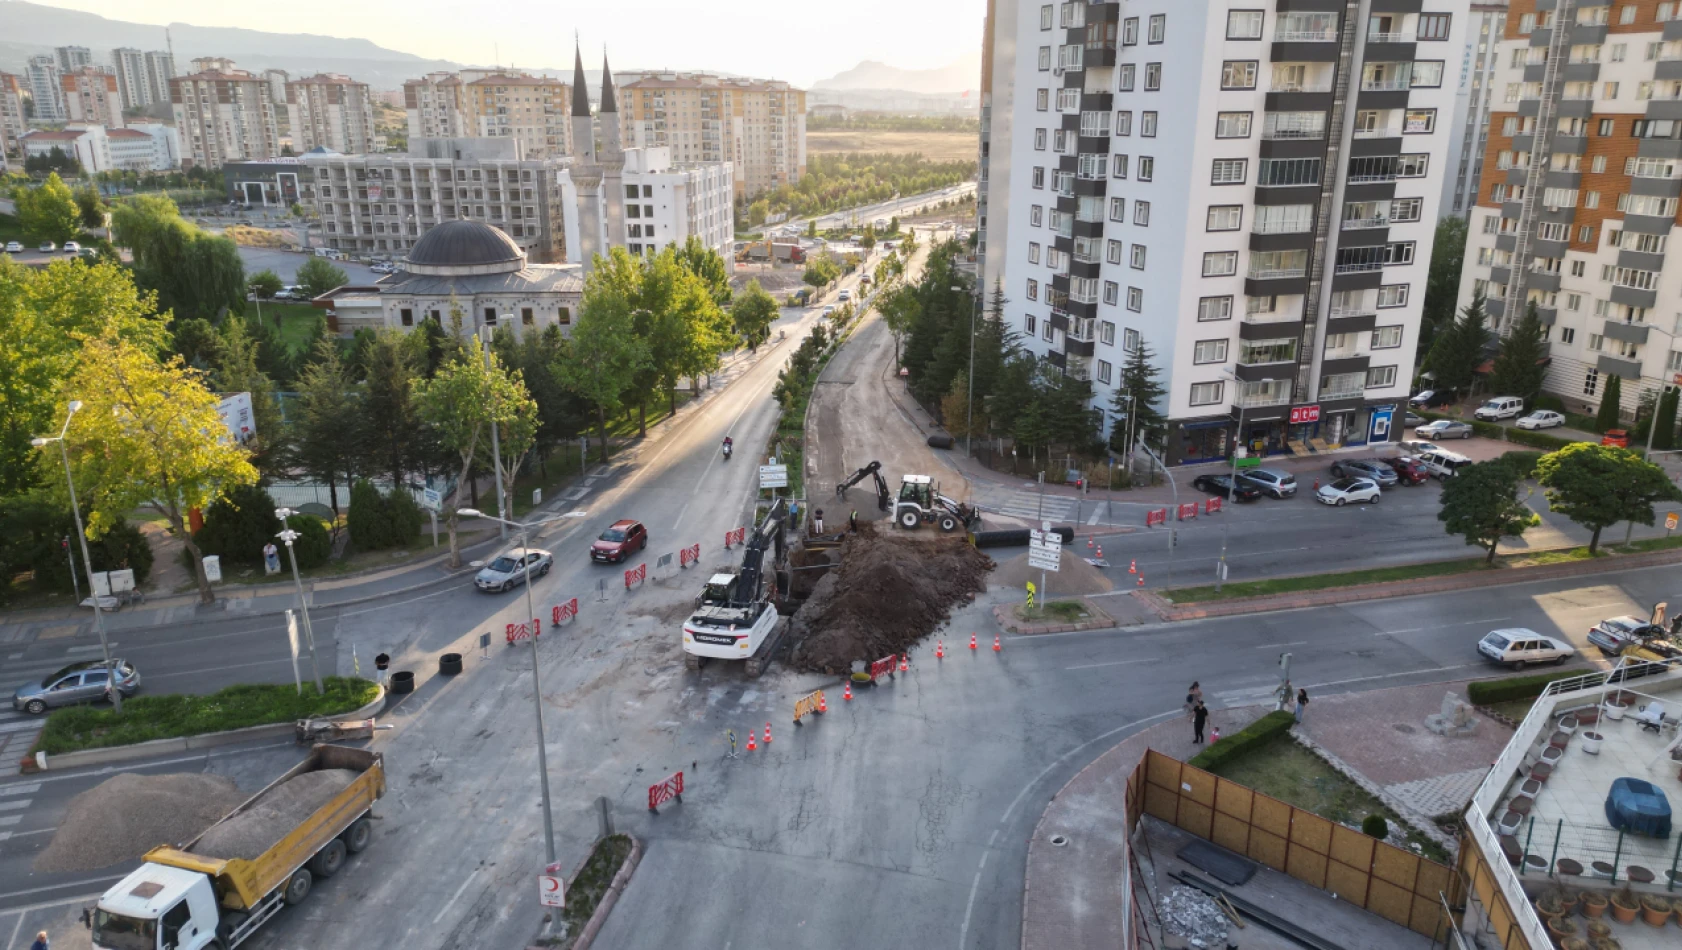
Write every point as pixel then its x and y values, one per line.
pixel 1212 506
pixel 689 555
pixel 564 612
pixel 636 575
pixel 1188 511
pixel 667 789
pixel 811 704
pixel 517 632
pixel 883 666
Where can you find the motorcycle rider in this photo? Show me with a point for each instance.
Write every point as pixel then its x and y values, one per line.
pixel 728 443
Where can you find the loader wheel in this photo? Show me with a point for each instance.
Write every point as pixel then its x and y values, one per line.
pixel 948 523
pixel 299 887
pixel 910 519
pixel 329 859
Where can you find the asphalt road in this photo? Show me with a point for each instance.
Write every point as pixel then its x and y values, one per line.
pixel 285 264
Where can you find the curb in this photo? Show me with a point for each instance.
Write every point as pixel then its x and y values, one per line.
pixel 208 740
pixel 1002 616
pixel 598 920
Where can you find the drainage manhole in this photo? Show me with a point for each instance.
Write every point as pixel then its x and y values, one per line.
pixel 1404 727
pixel 1059 840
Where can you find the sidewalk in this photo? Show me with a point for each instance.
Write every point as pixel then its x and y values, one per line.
pixel 1070 900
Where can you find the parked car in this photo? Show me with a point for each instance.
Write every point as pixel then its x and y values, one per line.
pixel 85 682
pixel 1346 490
pixel 828 310
pixel 619 541
pixel 14 247
pixel 1271 481
pixel 1411 419
pixel 1519 648
pixel 1445 429
pixel 1443 464
pixel 1616 438
pixel 71 247
pixel 1416 447
pixel 1615 633
pixel 1409 470
pixel 1500 407
pixel 511 568
pixel 1540 419
pixel 1431 398
pixel 1221 485
pixel 383 267
pixel 1372 469
pixel 290 292
pixel 47 247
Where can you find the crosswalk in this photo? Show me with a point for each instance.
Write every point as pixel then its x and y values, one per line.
pixel 13 803
pixel 18 729
pixel 1032 505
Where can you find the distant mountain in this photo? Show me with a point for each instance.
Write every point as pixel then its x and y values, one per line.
pixel 32 28
pixel 960 76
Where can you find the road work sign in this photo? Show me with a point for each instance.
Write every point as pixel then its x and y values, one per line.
pixel 773 476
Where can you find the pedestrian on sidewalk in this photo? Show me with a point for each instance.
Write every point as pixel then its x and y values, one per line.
pixel 1194 696
pixel 1302 704
pixel 1199 716
pixel 41 942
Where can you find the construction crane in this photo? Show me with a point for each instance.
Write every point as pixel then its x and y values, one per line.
pixel 884 499
pixel 736 619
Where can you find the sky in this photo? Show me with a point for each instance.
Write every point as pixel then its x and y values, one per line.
pixel 772 39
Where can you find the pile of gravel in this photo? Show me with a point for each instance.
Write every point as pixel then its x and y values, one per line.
pixel 1194 915
pixel 255 830
pixel 125 816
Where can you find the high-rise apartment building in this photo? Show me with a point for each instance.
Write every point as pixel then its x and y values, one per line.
pixel 43 75
pixel 1581 180
pixel 1247 190
pixel 433 105
pixel 130 67
pixel 757 126
pixel 91 96
pixel 532 109
pixel 223 115
pixel 72 58
pixel 160 69
pixel 1472 103
pixel 12 124
pixel 330 111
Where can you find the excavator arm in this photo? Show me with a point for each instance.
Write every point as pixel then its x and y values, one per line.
pixel 869 470
pixel 884 498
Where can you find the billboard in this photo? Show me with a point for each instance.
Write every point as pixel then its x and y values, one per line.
pixel 235 409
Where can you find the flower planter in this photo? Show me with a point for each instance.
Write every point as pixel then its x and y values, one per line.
pixel 1599 929
pixel 1591 742
pixel 1568 724
pixel 1573 943
pixel 1594 907
pixel 1615 710
pixel 1655 910
pixel 1624 913
pixel 1606 943
pixel 1561 927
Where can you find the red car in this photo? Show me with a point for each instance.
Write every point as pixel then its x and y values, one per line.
pixel 1409 471
pixel 619 541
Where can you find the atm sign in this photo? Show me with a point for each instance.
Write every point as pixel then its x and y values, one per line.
pixel 1302 415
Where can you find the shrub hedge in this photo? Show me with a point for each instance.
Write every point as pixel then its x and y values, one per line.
pixel 1244 741
pixel 1488 692
pixel 1537 440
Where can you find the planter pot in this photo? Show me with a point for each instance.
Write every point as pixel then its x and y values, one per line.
pixel 1606 943
pixel 1658 915
pixel 1615 711
pixel 1573 943
pixel 449 664
pixel 1624 915
pixel 1568 724
pixel 1598 929
pixel 1594 906
pixel 1592 741
pixel 402 682
pixel 1561 927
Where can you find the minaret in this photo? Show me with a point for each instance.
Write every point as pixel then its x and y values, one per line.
pixel 583 138
pixel 612 161
pixel 586 173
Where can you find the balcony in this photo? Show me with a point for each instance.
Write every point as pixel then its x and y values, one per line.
pixel 1361 267
pixel 1390 38
pixel 1305 36
pixel 1277 273
pixel 1386 85
pixel 1371 178
pixel 1289 134
pixel 1365 224
pixel 1260 226
pixel 1324 86
pixel 1344 391
pixel 1625 332
pixel 1259 372
pixel 1358 320
pixel 1618 366
pixel 1262 400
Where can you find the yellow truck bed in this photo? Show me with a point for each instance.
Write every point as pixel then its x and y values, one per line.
pixel 240 883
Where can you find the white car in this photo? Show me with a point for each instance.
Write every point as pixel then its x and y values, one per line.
pixel 1346 490
pixel 14 247
pixel 71 247
pixel 1540 419
pixel 1518 648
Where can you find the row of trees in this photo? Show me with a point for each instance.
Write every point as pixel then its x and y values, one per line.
pixel 53 212
pixel 854 179
pixel 891 122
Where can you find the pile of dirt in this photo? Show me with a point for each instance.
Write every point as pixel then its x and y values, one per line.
pixel 123 817
pixel 890 591
pixel 1074 577
pixel 255 830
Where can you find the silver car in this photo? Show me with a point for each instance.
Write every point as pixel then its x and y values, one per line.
pixel 511 568
pixel 85 682
pixel 1445 429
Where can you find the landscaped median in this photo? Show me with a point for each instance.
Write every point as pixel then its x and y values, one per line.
pixel 77 735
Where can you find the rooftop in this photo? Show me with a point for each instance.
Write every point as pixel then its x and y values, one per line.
pixel 533 278
pixel 463 244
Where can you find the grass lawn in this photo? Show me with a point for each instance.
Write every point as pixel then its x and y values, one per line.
pixel 934 146
pixel 1064 611
pixel 297 322
pixel 1286 771
pixel 586 890
pixel 1515 709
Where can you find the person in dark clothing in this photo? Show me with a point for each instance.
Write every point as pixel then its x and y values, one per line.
pixel 1302 703
pixel 41 942
pixel 853 521
pixel 1199 715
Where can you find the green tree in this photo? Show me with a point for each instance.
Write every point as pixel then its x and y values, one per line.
pixel 752 313
pixel 149 436
pixel 1598 486
pixel 48 212
pixel 264 283
pixel 893 225
pixel 1458 350
pixel 393 445
pixel 757 212
pixel 1665 438
pixel 1442 286
pixel 606 352
pixel 1608 416
pixel 867 240
pixel 820 270
pixel 955 410
pixel 812 228
pixel 708 266
pixel 328 431
pixel 1137 403
pixel 90 206
pixel 194 274
pixel 1521 364
pixel 318 275
pixel 236 371
pixel 1481 503
pixel 238 525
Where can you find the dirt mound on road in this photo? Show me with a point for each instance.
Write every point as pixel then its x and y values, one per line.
pixel 1074 577
pixel 890 591
pixel 127 815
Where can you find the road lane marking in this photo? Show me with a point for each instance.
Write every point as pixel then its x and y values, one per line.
pixel 1446 623
pixel 1092 520
pixel 9 820
pixel 1275 646
pixel 21 789
pixel 454 897
pixel 1386 676
pixel 59 887
pixel 14 806
pixel 1093 666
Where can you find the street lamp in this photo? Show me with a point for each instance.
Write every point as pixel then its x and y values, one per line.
pixel 87 564
pixel 536 680
pixel 1238 435
pixel 288 535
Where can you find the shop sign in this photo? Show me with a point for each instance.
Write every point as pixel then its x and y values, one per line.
pixel 1302 415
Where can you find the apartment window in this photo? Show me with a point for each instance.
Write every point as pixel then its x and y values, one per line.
pixel 1104 372
pixel 1033 252
pixel 1244 24
pixel 1591 199
pixel 1385 338
pixel 1036 214
pixel 1404 210
pixel 1068 100
pixel 1229 171
pixel 1626 14
pixel 1220 263
pixel 1574 301
pixel 1585 234
pixel 526 316
pixel 1225 218
pixel 1434 26
pixel 1047 333
pixel 1159 25
pixel 1045 17
pixel 1039 140
pixel 1042 99
pixel 1112 292
pixel 406 316
pixel 1028 323
pixel 1232 125
pixel 1119 163
pixel 1605 126
pixel 1428 74
pixel 1060 141
pixel 1381 377
pixel 1205 394
pixel 1412 166
pixel 1400 252
pixel 1153 77
pixel 1419 121
pixel 1147 168
pixel 1392 295
pixel 490 316
pixel 1045 58
pixel 1238 74
pixel 1596 341
pixel 1610 91
pixel 1112 251
pixel 1130 340
pixel 1118 209
pixel 1147 124
pixel 1209 351
pixel 1033 294
pixel 1142 213
pixel 1135 299
pixel 1567 335
pixel 1124 77
pixel 1210 309
pixel 1124 123
pixel 1137 257
pixel 1106 333
pixel 1286 172
pixel 1130 31
pixel 1039 177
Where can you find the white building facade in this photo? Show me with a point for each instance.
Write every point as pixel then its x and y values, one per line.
pixel 1473 100
pixel 43 75
pixel 664 204
pixel 86 144
pixel 1249 192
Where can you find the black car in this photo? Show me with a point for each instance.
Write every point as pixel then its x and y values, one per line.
pixel 1222 485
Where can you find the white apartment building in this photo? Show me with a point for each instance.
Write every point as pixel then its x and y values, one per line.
pixel 12 124
pixel 43 76
pixel 91 96
pixel 1581 181
pixel 224 114
pixel 160 149
pixel 532 109
pixel 1472 103
pixel 330 111
pixel 1248 190
pixel 758 126
pixel 160 69
pixel 129 65
pixel 381 204
pixel 664 204
pixel 86 144
pixel 433 105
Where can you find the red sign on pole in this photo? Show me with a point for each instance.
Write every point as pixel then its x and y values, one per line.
pixel 566 611
pixel 1212 506
pixel 1188 511
pixel 665 790
pixel 1302 415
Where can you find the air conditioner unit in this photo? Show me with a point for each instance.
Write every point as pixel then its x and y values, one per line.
pixel 1058 71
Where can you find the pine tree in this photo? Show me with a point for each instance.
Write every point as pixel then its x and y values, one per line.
pixel 1607 417
pixel 1137 399
pixel 1518 370
pixel 1458 350
pixel 1665 438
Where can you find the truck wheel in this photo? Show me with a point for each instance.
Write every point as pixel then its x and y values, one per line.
pixel 299 887
pixel 948 523
pixel 909 519
pixel 329 859
pixel 359 835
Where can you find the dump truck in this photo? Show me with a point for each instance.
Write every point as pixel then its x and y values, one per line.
pixel 188 897
pixel 793 253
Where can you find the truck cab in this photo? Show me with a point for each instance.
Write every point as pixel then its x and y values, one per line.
pixel 157 908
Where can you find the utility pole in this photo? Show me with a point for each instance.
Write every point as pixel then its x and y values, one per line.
pixel 1652 427
pixel 496 451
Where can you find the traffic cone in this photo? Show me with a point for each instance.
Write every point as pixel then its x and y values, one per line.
pixel 1133 566
pixel 1100 552
pixel 972 641
pixel 848 694
pixel 751 746
pixel 996 646
pixel 1089 542
pixel 940 649
pixel 905 662
pixel 767 735
pixel 1141 580
pixel 823 704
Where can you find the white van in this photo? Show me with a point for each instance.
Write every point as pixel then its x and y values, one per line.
pixel 1500 407
pixel 1442 463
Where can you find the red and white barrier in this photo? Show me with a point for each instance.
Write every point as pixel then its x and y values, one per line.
pixel 636 575
pixel 667 789
pixel 1212 506
pixel 523 631
pixel 734 537
pixel 883 667
pixel 1156 517
pixel 564 612
pixel 689 555
pixel 1188 511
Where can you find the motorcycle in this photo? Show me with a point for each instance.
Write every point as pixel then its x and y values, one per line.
pixel 727 451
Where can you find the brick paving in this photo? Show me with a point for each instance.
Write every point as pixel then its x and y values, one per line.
pixel 1440 795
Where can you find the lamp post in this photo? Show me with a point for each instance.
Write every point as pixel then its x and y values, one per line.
pixel 1175 489
pixel 288 535
pixel 1238 435
pixel 536 680
pixel 87 564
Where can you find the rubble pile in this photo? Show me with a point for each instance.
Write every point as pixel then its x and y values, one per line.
pixel 127 815
pixel 890 591
pixel 258 828
pixel 1194 915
